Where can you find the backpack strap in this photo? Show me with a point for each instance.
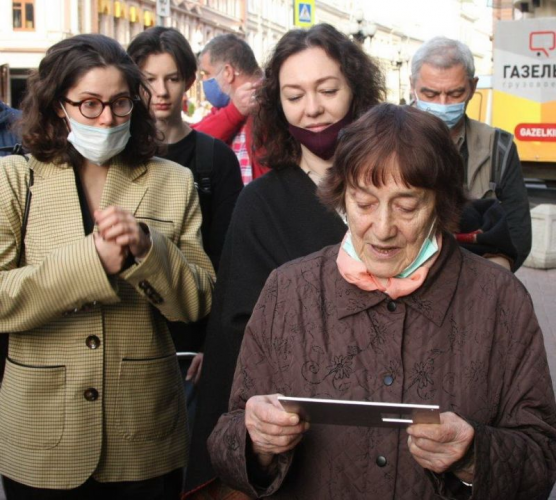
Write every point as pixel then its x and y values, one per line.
pixel 501 146
pixel 204 161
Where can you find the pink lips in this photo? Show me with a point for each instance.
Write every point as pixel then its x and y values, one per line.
pixel 161 107
pixel 317 127
pixel 384 253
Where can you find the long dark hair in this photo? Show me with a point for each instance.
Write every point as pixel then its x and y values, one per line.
pixel 272 141
pixel 44 133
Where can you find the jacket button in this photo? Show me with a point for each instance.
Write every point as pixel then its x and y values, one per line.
pixel 388 380
pixel 92 342
pixel 144 285
pixel 391 306
pixel 381 461
pixel 91 394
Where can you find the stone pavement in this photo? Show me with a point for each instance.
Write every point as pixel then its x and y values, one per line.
pixel 541 284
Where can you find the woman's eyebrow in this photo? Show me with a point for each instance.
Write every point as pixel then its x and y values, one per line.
pixel 318 82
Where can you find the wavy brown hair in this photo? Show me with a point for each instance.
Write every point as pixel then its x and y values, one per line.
pixel 400 141
pixel 44 133
pixel 272 142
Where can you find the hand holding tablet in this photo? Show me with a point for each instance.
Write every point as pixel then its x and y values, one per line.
pixel 360 413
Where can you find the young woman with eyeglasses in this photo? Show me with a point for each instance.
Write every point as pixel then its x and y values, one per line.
pixel 91 402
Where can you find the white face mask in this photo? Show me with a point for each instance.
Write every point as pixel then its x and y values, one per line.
pixel 98 144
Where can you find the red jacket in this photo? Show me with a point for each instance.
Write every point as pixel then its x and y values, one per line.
pixel 224 124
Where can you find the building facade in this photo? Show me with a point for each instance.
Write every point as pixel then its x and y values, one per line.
pixel 401 27
pixel 29 27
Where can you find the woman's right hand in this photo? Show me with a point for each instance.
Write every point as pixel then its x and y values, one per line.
pixel 112 256
pixel 272 429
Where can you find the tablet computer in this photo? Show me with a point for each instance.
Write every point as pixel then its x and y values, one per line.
pixel 360 413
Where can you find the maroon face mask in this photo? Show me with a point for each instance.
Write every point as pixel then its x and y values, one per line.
pixel 323 143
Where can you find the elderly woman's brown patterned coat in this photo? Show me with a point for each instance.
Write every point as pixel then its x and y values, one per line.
pixel 467 340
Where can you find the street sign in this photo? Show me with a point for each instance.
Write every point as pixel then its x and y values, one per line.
pixel 304 13
pixel 163 8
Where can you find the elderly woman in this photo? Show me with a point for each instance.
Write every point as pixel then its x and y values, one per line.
pixel 397 312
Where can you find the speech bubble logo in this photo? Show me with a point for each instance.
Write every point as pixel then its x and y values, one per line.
pixel 542 41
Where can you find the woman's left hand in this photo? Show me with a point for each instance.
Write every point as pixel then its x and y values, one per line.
pixel 118 225
pixel 438 446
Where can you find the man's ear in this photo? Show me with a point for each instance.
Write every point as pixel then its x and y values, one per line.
pixel 474 81
pixel 229 74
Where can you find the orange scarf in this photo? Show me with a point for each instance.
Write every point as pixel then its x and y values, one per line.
pixel 355 272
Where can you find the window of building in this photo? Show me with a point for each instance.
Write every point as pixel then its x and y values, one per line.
pixel 24 15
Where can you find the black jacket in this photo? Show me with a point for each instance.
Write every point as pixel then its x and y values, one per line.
pixel 277 218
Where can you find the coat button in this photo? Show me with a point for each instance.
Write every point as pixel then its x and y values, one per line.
pixel 91 394
pixel 92 342
pixel 388 380
pixel 391 306
pixel 144 285
pixel 381 461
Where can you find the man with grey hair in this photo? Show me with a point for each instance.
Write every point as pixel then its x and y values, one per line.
pixel 443 82
pixel 230 76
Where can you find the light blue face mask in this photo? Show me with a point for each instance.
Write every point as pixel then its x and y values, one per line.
pixel 98 144
pixel 349 248
pixel 428 249
pixel 214 93
pixel 450 114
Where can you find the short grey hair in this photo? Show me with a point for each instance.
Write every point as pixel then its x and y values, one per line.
pixel 230 49
pixel 444 53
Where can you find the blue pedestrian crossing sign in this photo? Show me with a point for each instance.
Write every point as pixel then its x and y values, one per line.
pixel 304 13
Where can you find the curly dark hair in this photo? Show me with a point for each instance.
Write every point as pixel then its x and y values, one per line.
pixel 272 141
pixel 44 133
pixel 391 140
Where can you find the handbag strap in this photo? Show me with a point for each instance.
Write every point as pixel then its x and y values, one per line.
pixel 27 206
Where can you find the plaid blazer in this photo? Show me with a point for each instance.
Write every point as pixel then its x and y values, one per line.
pixel 92 385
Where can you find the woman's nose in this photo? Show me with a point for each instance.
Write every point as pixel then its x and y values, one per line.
pixel 159 88
pixel 384 227
pixel 313 106
pixel 106 117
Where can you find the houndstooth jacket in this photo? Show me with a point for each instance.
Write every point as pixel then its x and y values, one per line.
pixel 92 385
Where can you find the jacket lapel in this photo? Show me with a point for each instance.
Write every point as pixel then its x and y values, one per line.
pixel 55 208
pixel 121 188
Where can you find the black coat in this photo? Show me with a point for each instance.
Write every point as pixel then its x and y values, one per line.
pixel 277 218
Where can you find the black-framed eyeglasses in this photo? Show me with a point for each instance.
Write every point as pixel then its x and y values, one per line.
pixel 93 107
